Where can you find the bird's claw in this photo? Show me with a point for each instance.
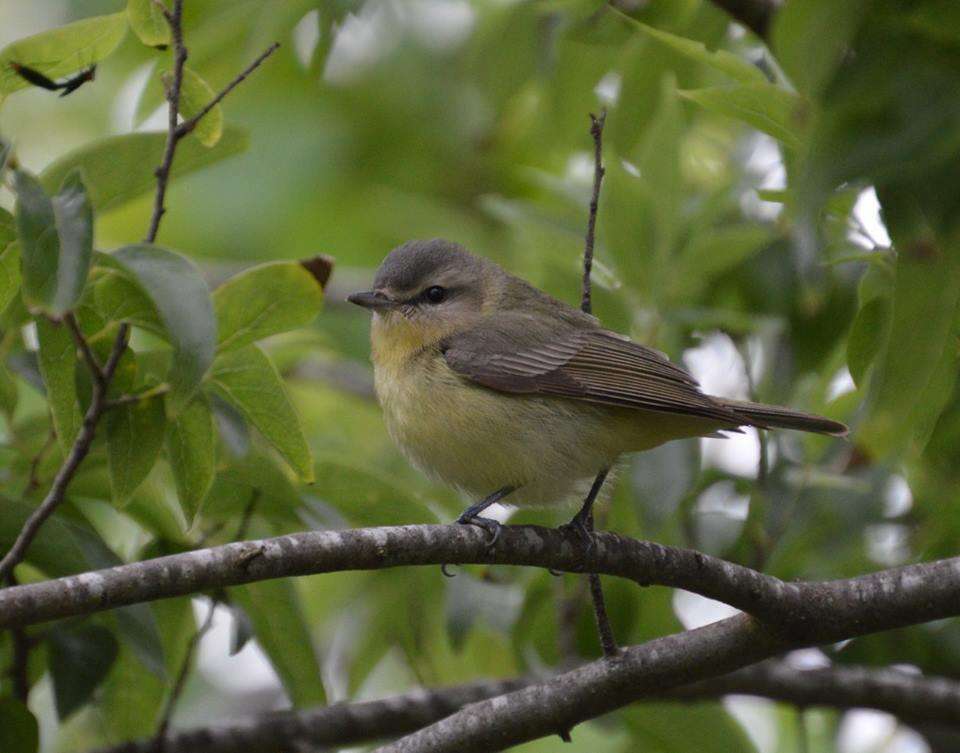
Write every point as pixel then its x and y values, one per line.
pixel 491 526
pixel 578 525
pixel 447 573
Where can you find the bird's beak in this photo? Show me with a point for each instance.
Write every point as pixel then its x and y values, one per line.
pixel 370 299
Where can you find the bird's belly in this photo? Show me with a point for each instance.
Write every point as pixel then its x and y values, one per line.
pixel 480 440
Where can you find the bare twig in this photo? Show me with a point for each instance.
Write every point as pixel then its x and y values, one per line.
pixel 175 21
pixel 175 131
pixel 607 640
pixel 104 375
pixel 596 131
pixel 912 698
pixel 188 125
pixel 78 452
pixel 160 739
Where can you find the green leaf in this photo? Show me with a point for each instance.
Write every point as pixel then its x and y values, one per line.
pixel 8 228
pixel 9 274
pixel 117 298
pixel 679 728
pixel 248 380
pixel 722 60
pixel 19 732
pixel 278 624
pixel 74 215
pixel 364 497
pixel 62 51
pixel 263 301
pixel 867 336
pixel 135 433
pixel 195 93
pixel 79 660
pixel 925 301
pixel 57 241
pixel 192 451
pixel 810 38
pixel 37 230
pixel 58 366
pixel 178 291
pixel 117 169
pixel 766 107
pixel 148 23
pixel 715 251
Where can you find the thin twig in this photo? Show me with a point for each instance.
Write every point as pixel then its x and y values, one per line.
pixel 96 371
pixel 160 739
pixel 175 21
pixel 98 402
pixel 188 125
pixel 78 452
pixel 596 131
pixel 607 640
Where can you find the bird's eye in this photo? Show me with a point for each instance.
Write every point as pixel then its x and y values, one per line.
pixel 435 294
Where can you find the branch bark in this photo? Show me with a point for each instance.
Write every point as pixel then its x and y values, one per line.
pixel 912 698
pixel 809 612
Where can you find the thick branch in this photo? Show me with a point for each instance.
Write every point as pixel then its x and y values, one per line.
pixel 812 612
pixel 557 705
pixel 912 698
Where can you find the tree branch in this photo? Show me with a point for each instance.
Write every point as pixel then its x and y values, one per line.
pixel 912 698
pixel 809 612
pixel 188 125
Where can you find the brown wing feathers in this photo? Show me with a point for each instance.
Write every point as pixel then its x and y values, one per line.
pixel 598 366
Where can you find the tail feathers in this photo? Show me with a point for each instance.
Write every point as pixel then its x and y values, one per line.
pixel 775 417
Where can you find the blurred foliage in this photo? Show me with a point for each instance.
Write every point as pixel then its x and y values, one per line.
pixel 735 210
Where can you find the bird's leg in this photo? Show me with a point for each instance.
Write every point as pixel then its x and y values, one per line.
pixel 582 522
pixel 471 516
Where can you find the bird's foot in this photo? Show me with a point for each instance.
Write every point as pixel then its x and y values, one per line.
pixel 581 525
pixel 491 526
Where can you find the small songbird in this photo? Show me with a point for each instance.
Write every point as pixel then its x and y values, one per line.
pixel 494 387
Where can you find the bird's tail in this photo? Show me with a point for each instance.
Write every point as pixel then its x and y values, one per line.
pixel 775 417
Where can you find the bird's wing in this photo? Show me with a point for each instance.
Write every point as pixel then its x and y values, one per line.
pixel 514 352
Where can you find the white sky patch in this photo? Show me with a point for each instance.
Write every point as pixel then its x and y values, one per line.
pixel 440 25
pixel 608 88
pixel 758 718
pixel 694 610
pixel 867 212
pixel 841 384
pixel 306 37
pixel 246 672
pixel 765 170
pixel 362 40
pixel 897 497
pixel 374 33
pixel 866 731
pixel 888 544
pixel 124 113
pixel 718 367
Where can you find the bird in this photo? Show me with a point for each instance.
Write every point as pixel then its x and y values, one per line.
pixel 505 393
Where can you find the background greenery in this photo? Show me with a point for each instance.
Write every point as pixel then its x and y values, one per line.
pixel 735 227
